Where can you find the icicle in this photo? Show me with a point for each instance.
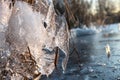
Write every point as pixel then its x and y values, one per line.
pixel 62 40
pixel 57 28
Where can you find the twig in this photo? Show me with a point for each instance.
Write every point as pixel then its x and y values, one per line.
pixel 56 56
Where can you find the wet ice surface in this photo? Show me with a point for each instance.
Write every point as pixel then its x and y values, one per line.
pixel 93 63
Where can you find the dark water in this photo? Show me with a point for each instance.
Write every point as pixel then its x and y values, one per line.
pixel 89 61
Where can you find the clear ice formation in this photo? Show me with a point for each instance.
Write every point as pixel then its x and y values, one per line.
pixel 33 35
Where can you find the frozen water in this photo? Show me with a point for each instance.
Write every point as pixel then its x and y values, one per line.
pixel 81 32
pixel 26 29
pixel 5 12
pixel 108 29
pixel 113 28
pixel 84 31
